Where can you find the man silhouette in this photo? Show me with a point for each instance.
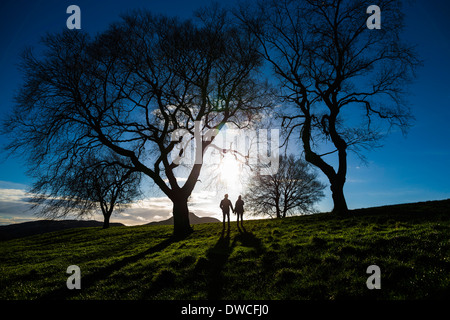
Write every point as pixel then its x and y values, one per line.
pixel 225 205
pixel 239 210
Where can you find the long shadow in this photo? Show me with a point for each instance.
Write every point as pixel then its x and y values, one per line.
pixel 248 239
pixel 89 280
pixel 217 257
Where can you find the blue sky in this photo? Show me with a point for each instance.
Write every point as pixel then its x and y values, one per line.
pixel 405 169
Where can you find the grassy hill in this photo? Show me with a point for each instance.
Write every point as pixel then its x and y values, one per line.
pixel 31 228
pixel 309 257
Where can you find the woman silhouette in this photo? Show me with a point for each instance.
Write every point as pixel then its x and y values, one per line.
pixel 239 210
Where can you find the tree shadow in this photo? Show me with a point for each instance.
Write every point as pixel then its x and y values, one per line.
pixel 88 281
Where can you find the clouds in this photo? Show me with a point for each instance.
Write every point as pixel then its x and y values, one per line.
pixel 12 195
pixel 145 211
pixel 14 205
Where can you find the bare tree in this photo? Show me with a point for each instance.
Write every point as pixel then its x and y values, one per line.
pixel 86 187
pixel 133 89
pixel 346 83
pixel 292 189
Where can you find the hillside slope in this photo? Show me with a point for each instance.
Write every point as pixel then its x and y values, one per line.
pixel 31 228
pixel 25 229
pixel 316 257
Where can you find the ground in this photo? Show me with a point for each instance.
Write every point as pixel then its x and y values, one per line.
pixel 314 257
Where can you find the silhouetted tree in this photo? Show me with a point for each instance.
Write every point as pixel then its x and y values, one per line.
pixel 84 188
pixel 344 81
pixel 136 89
pixel 292 189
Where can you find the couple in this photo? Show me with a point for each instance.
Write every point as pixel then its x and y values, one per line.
pixel 225 205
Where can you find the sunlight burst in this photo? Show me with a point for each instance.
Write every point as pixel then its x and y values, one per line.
pixel 230 171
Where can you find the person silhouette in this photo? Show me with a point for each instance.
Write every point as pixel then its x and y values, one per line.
pixel 239 210
pixel 225 205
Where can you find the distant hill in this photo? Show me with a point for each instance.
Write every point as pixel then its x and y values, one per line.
pixel 25 229
pixel 193 219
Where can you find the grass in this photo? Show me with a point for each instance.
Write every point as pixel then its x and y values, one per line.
pixel 318 257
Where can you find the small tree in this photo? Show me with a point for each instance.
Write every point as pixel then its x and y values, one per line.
pixel 293 189
pixel 89 186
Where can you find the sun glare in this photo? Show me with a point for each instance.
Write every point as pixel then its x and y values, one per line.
pixel 230 171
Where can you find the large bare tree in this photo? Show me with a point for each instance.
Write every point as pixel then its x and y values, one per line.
pixel 346 83
pixel 132 89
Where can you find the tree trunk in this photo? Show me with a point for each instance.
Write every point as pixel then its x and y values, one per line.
pixel 337 179
pixel 278 211
pixel 106 217
pixel 181 225
pixel 340 205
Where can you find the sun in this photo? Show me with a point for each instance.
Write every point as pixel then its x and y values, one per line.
pixel 230 172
